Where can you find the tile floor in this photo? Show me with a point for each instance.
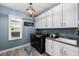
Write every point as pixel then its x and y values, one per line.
pixel 26 51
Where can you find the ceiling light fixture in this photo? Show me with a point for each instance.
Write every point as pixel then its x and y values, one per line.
pixel 30 10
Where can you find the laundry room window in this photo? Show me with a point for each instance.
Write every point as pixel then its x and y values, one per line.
pixel 15 27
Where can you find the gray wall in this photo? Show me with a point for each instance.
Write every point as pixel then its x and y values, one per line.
pixel 60 30
pixel 72 32
pixel 4 42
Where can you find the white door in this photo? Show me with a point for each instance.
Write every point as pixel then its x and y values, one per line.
pixel 57 49
pixel 49 21
pixel 68 15
pixel 57 16
pixel 48 46
pixel 69 52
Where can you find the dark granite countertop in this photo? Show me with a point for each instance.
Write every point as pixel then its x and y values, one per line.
pixel 70 36
pixel 50 38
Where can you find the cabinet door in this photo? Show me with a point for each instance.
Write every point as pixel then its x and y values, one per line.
pixel 68 52
pixel 36 23
pixel 68 15
pixel 57 49
pixel 43 23
pixel 49 21
pixel 43 14
pixel 48 46
pixel 40 21
pixel 50 12
pixel 57 16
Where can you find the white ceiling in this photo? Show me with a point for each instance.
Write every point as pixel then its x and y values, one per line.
pixel 39 7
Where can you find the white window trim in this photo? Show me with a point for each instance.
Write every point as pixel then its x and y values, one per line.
pixel 18 19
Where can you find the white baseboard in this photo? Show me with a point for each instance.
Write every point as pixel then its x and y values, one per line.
pixel 10 49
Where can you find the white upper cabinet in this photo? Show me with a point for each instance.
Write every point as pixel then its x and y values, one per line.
pixel 69 15
pixel 49 21
pixel 43 15
pixel 57 16
pixel 61 16
pixel 49 12
pixel 37 23
pixel 42 23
